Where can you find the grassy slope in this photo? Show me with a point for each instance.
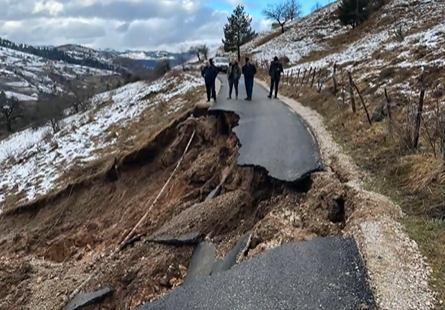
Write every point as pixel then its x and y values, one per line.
pixel 415 180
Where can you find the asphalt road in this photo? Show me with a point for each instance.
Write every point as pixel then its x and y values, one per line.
pixel 322 274
pixel 271 135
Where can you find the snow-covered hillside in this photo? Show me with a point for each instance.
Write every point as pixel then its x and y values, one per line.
pixel 318 40
pixel 26 76
pixel 32 161
pixel 81 52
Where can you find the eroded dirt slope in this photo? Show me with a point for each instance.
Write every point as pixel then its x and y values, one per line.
pixel 49 248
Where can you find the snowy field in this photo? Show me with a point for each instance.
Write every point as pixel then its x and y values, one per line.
pixel 33 160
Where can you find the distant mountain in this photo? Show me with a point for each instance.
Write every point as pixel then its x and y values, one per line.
pixel 53 53
pixel 128 61
pixel 149 58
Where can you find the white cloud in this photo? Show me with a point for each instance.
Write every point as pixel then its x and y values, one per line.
pixel 119 24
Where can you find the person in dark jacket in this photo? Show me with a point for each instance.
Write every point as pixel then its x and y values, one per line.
pixel 275 70
pixel 249 71
pixel 209 73
pixel 233 76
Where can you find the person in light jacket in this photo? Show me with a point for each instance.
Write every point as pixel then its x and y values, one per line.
pixel 233 76
pixel 275 70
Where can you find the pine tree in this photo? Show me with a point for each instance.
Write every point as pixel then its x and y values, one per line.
pixel 353 12
pixel 237 31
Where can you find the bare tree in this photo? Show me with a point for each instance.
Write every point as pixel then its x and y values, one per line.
pixel 277 12
pixel 282 12
pixel 316 6
pixel 195 50
pixel 183 58
pixel 204 51
pixel 52 111
pixel 293 9
pixel 10 110
pixel 80 96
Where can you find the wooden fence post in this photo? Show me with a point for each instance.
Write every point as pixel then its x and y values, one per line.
pixel 334 80
pixel 351 93
pixel 363 103
pixel 313 76
pixel 389 111
pixel 309 75
pixel 418 118
pixel 343 90
pixel 303 77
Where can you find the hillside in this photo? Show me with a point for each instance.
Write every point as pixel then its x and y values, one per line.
pixel 401 36
pixel 106 59
pixel 29 77
pixel 128 59
pixel 41 158
pixel 53 53
pixel 395 61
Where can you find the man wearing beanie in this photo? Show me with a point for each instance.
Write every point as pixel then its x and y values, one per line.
pixel 249 71
pixel 275 70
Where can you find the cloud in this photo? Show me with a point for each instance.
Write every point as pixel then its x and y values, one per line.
pixel 119 24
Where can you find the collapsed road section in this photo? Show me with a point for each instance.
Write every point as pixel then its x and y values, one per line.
pixel 323 273
pixel 213 218
pixel 272 136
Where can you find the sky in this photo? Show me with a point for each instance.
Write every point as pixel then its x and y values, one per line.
pixel 126 24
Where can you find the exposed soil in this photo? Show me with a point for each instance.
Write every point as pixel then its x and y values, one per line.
pixel 49 248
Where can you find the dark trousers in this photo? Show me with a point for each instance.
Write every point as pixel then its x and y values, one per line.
pixel 233 84
pixel 249 87
pixel 210 89
pixel 274 86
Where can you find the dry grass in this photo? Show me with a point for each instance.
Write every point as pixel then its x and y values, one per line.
pixel 416 181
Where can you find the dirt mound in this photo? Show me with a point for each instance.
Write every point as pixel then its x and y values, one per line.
pixel 49 248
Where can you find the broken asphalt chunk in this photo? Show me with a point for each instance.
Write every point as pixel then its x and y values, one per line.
pixel 186 239
pixel 83 300
pixel 202 262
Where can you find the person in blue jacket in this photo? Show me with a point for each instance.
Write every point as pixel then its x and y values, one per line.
pixel 249 71
pixel 209 73
pixel 275 70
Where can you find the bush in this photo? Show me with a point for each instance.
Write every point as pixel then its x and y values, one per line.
pixel 398 34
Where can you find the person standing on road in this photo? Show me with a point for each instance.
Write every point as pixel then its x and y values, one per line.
pixel 249 71
pixel 214 74
pixel 233 76
pixel 275 70
pixel 209 73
